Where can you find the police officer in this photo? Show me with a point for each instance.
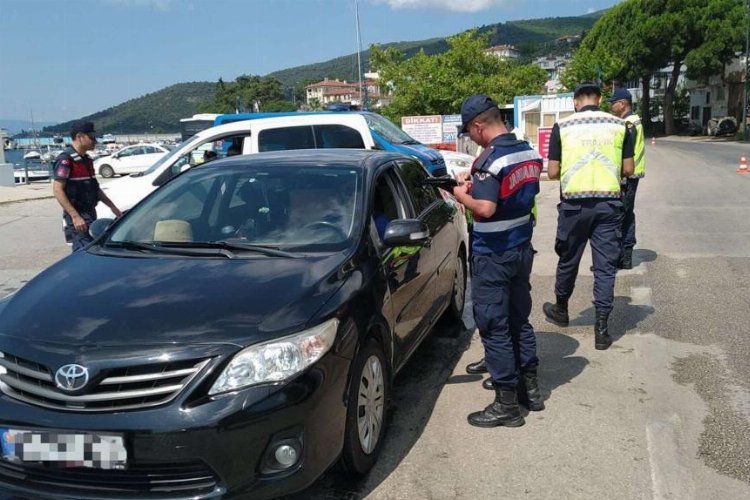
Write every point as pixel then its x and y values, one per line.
pixel 621 102
pixel 504 182
pixel 75 186
pixel 590 151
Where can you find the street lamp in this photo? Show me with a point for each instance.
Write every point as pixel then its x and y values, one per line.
pixel 744 86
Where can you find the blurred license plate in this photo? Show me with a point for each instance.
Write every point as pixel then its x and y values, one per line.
pixel 59 449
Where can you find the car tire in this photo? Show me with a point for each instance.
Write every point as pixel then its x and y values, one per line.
pixel 106 171
pixel 369 390
pixel 458 292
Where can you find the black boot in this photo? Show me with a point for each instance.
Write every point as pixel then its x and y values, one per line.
pixel 478 367
pixel 529 394
pixel 488 384
pixel 602 340
pixel 503 411
pixel 557 313
pixel 626 261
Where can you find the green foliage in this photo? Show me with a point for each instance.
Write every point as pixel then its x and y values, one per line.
pixel 437 84
pixel 246 90
pixel 159 110
pixel 636 38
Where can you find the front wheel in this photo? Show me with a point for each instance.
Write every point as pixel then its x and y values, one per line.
pixel 458 293
pixel 106 171
pixel 366 406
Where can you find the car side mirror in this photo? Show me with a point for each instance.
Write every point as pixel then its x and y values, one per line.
pixel 184 167
pixel 405 232
pixel 99 226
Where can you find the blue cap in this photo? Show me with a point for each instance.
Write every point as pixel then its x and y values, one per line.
pixel 474 106
pixel 587 87
pixel 619 94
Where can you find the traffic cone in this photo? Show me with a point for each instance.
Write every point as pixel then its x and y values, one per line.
pixel 743 165
pixel 653 141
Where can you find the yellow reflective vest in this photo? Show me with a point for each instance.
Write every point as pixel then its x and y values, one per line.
pixel 640 147
pixel 591 164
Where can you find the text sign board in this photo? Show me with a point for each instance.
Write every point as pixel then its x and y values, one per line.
pixel 543 134
pixel 451 124
pixel 425 129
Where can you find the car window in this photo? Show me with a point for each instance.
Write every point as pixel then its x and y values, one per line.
pixel 152 150
pixel 413 175
pixel 338 136
pixel 386 205
pixel 286 138
pixel 126 152
pixel 293 208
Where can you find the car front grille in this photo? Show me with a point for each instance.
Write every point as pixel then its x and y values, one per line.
pixel 129 388
pixel 188 480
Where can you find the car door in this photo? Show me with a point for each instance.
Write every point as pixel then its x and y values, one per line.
pixel 127 160
pixel 406 268
pixel 430 207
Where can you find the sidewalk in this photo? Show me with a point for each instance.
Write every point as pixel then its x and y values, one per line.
pixel 24 192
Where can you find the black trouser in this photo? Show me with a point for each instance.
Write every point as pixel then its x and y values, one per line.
pixel 628 216
pixel 79 240
pixel 578 222
pixel 501 294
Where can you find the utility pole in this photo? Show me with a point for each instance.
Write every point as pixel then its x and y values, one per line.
pixel 359 52
pixel 744 86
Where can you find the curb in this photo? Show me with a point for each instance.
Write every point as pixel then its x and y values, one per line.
pixel 8 202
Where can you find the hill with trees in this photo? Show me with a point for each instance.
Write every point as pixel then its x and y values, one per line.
pixel 161 111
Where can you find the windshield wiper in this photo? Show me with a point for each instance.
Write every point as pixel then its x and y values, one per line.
pixel 171 248
pixel 249 247
pixel 410 142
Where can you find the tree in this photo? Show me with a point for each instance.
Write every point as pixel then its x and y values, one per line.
pixel 438 84
pixel 637 38
pixel 245 91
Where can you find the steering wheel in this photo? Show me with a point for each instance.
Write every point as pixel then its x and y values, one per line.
pixel 322 224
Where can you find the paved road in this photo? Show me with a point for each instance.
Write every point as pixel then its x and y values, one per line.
pixel 663 414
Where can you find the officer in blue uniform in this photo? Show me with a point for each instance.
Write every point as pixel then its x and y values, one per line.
pixel 589 152
pixel 75 186
pixel 501 191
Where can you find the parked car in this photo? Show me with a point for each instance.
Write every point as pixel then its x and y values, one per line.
pixel 721 126
pixel 236 333
pixel 130 160
pixel 457 163
pixel 360 130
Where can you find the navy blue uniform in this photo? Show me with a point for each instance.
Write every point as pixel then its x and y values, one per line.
pixel 581 220
pixel 507 173
pixel 82 190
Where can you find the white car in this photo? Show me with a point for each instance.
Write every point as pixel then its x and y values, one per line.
pixel 457 163
pixel 129 160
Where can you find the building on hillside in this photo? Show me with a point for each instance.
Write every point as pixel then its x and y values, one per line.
pixel 340 91
pixel 554 66
pixel 503 51
pixel 719 95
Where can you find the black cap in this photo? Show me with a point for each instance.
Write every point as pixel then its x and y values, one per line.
pixel 621 94
pixel 474 106
pixel 587 87
pixel 82 127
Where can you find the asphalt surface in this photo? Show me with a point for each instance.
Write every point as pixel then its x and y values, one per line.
pixel 663 414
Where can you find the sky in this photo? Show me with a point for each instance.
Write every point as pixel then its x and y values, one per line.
pixel 64 59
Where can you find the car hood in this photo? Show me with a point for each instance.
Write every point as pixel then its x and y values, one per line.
pixel 89 299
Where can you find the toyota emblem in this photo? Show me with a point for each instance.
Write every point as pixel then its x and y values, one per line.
pixel 71 377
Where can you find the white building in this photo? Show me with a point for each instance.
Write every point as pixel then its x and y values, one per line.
pixel 503 51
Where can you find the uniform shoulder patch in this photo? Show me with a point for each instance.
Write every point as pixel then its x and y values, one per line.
pixel 482 175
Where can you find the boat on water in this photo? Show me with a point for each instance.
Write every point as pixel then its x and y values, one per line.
pixel 32 155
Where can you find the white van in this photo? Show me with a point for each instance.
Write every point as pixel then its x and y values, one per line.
pixel 305 131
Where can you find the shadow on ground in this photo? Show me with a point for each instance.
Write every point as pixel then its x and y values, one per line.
pixel 415 391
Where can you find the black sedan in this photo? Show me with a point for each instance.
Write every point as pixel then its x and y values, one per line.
pixel 234 335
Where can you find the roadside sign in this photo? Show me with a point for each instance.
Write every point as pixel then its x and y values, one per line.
pixel 451 124
pixel 543 134
pixel 425 129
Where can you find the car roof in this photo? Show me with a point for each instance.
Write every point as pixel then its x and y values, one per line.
pixel 345 118
pixel 352 158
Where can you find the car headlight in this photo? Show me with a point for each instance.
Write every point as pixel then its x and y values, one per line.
pixel 276 360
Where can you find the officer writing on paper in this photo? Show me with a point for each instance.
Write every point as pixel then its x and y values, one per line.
pixel 590 151
pixel 504 181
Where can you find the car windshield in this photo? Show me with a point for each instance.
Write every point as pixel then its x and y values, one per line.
pixel 388 130
pixel 167 158
pixel 248 208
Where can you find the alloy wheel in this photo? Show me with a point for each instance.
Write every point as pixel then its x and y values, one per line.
pixel 370 404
